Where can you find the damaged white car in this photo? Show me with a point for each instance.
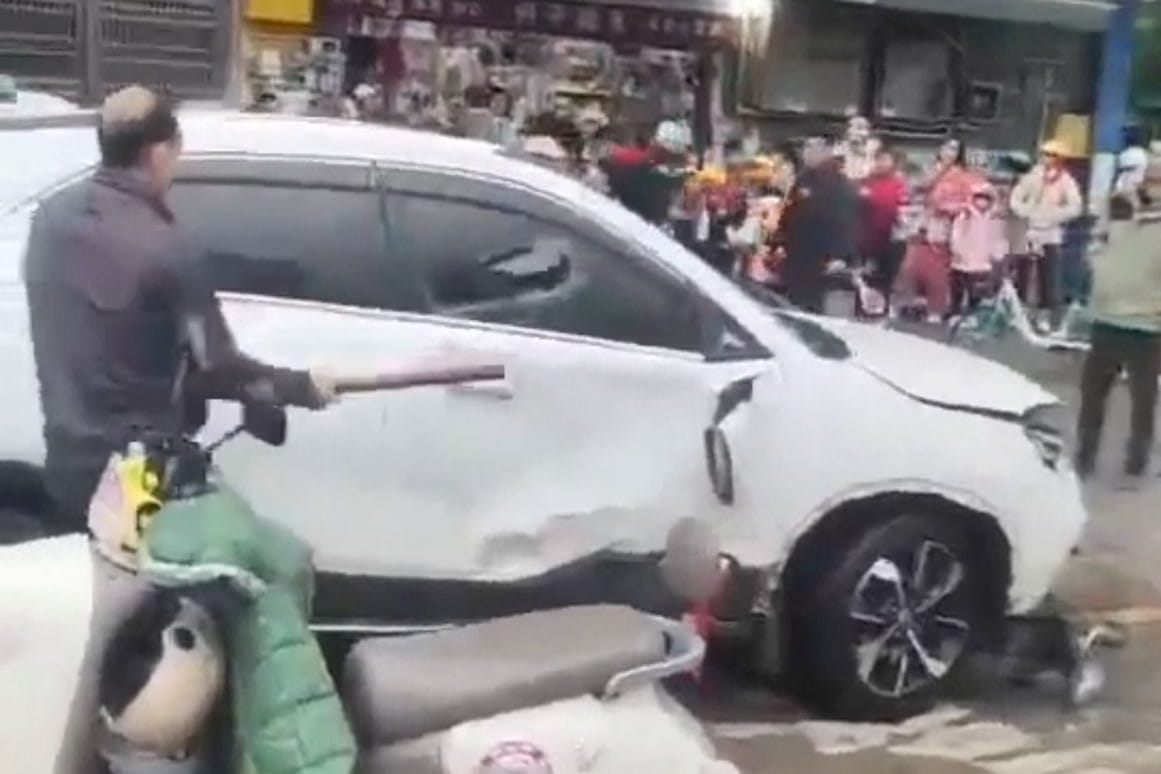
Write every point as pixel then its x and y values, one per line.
pixel 884 502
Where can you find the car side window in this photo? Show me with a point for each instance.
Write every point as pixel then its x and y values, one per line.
pixel 285 241
pixel 495 264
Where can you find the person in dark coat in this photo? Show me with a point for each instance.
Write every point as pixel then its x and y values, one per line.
pixel 818 226
pixel 126 331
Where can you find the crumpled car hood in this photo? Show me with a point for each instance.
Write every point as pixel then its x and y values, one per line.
pixel 937 373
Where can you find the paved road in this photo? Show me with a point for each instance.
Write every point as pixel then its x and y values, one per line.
pixel 992 728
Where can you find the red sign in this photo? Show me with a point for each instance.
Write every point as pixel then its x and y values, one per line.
pixel 628 24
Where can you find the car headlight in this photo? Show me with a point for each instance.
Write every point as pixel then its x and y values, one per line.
pixel 1044 426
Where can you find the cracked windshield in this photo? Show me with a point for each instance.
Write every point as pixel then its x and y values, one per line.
pixel 562 386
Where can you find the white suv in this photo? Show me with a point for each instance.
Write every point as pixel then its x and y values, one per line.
pixel 886 501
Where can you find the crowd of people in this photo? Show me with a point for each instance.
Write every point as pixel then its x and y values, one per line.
pixel 932 243
pixel 937 243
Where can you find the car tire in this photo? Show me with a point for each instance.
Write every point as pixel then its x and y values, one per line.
pixel 17 526
pixel 889 619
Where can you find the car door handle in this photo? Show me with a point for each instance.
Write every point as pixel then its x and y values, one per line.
pixel 497 390
pixel 494 389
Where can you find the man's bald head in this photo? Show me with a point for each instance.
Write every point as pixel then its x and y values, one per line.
pixel 133 120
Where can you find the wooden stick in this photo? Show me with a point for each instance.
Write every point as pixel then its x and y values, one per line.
pixel 420 377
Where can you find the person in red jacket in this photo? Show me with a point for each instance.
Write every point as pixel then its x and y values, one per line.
pixel 883 192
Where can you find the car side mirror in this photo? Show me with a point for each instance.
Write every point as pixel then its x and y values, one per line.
pixel 265 422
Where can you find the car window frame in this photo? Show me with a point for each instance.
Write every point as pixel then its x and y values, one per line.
pixel 501 194
pixel 354 175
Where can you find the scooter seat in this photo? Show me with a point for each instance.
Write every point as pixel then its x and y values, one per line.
pixel 399 688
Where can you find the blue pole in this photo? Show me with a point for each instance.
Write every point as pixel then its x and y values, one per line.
pixel 1115 75
pixel 1109 117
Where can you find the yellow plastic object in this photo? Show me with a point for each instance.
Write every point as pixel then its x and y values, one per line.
pixel 281 11
pixel 1073 131
pixel 140 496
pixel 710 176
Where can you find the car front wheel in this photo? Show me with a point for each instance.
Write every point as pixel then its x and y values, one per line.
pixel 889 621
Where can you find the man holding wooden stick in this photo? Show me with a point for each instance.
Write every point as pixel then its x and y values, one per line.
pixel 126 332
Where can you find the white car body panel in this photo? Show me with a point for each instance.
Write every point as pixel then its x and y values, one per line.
pixel 931 371
pixel 30 161
pixel 599 445
pixel 586 447
pixel 644 730
pixel 36 104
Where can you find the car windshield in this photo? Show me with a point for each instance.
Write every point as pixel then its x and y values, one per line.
pixel 816 338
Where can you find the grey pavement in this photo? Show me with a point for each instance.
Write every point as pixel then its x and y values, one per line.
pixel 993 728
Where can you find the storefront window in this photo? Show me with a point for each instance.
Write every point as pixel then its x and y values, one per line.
pixel 814 59
pixel 917 71
pixel 499 85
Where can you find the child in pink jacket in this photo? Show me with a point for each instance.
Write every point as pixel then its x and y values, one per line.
pixel 978 243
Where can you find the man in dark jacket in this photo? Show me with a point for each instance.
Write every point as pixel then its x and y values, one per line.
pixel 126 332
pixel 818 226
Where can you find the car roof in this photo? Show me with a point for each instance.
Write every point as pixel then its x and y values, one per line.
pixel 70 142
pixel 273 134
pixel 36 103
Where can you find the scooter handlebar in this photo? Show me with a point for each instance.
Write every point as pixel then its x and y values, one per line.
pixel 427 376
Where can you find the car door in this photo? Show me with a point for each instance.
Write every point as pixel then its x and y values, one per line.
pixel 595 441
pixel 298 253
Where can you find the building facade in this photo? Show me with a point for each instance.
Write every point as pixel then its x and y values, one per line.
pixel 82 49
pixel 999 72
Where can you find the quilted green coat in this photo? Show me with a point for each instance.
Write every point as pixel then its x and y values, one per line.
pixel 288 717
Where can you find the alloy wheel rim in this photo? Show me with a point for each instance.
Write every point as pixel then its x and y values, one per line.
pixel 908 619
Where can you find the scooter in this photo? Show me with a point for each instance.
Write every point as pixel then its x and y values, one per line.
pixel 548 692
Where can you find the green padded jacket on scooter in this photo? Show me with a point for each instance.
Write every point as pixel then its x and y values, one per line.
pixel 288 717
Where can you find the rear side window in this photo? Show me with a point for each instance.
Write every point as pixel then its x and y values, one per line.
pixel 500 265
pixel 316 244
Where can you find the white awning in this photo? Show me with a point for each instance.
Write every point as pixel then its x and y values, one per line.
pixel 1089 15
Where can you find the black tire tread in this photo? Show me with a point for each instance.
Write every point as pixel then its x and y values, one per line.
pixel 823 654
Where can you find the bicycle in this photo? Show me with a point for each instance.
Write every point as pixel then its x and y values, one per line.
pixel 1004 313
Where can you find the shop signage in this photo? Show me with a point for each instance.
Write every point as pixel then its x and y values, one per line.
pixel 283 11
pixel 640 25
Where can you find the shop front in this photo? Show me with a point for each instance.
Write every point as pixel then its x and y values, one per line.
pixel 501 69
pixel 288 64
pixel 1002 72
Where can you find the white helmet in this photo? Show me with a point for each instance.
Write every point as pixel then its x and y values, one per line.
pixel 673 136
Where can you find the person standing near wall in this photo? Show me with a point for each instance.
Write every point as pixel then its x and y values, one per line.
pixel 818 226
pixel 947 192
pixel 883 194
pixel 1132 162
pixel 978 245
pixel 859 150
pixel 1047 198
pixel 1126 334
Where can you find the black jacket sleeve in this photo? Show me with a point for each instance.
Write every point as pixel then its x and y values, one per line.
pixel 217 369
